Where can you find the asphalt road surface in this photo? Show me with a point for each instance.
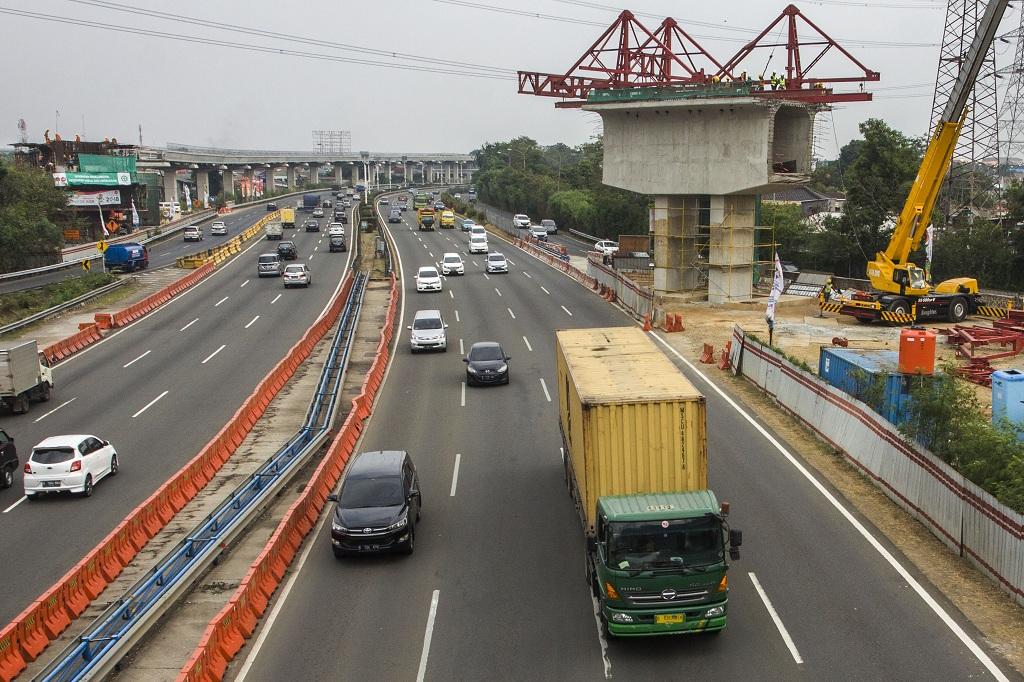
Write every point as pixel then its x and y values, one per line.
pixel 159 390
pixel 496 588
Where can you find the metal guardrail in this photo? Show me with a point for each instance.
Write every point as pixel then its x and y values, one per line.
pixel 584 235
pixel 97 651
pixel 67 305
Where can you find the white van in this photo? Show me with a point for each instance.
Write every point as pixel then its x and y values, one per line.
pixel 478 243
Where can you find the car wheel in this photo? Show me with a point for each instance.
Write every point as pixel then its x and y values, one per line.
pixel 44 395
pixel 113 464
pixel 7 478
pixel 88 487
pixel 410 544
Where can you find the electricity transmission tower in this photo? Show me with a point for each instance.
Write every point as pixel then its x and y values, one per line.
pixel 1011 114
pixel 970 183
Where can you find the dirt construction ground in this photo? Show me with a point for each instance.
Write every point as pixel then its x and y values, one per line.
pixel 800 333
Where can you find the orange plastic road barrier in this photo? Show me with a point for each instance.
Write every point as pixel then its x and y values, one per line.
pixel 708 356
pixel 44 619
pixel 226 633
pixel 723 361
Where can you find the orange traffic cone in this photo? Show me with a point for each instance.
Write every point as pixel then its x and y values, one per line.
pixel 647 322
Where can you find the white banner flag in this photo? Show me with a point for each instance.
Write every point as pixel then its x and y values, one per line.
pixel 188 197
pixel 135 215
pixel 778 283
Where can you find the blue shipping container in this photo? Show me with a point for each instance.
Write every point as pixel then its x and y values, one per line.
pixel 856 372
pixel 1008 397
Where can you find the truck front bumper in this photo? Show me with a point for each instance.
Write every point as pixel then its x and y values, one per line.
pixel 645 621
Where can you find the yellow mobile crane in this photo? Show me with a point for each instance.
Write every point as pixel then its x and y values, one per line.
pixel 902 293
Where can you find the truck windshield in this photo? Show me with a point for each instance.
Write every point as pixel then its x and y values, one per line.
pixel 664 544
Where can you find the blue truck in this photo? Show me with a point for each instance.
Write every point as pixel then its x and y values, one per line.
pixel 129 256
pixel 310 201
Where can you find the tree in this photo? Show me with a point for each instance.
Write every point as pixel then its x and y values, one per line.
pixel 29 208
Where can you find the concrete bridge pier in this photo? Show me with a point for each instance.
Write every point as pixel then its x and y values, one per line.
pixel 292 175
pixel 170 185
pixel 339 175
pixel 227 180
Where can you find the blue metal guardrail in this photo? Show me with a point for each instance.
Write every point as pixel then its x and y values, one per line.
pixel 80 659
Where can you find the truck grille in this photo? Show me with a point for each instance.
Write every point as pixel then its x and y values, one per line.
pixel 668 597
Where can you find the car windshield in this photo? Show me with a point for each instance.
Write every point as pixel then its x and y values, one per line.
pixel 52 455
pixel 452 259
pixel 478 238
pixel 385 491
pixel 428 272
pixel 486 353
pixel 547 223
pixel 496 259
pixel 294 269
pixel 664 544
pixel 268 259
pixel 427 323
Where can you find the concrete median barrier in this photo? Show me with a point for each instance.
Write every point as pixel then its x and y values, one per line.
pixel 225 635
pixel 22 640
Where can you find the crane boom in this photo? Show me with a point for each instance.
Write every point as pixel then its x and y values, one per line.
pixel 891 271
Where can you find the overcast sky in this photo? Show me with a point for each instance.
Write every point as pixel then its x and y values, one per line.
pixel 214 95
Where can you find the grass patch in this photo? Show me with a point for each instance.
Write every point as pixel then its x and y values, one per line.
pixel 21 304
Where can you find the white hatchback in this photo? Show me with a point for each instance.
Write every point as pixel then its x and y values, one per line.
pixel 496 263
pixel 68 464
pixel 607 247
pixel 218 227
pixel 428 279
pixel 451 264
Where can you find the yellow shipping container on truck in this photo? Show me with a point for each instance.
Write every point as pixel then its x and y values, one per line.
pixel 632 423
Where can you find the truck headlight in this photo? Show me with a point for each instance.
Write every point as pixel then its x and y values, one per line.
pixel 622 618
pixel 715 612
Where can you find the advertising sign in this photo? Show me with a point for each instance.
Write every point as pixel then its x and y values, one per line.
pixel 110 197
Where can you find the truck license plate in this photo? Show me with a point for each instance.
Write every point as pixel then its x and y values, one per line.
pixel 669 618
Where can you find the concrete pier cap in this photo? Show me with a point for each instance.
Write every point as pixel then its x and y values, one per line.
pixel 711 146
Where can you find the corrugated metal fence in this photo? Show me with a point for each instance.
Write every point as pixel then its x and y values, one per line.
pixel 962 515
pixel 639 300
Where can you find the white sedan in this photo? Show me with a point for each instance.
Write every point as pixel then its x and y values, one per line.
pixel 218 227
pixel 69 464
pixel 428 279
pixel 451 264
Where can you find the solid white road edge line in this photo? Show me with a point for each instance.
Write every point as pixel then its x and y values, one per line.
pixel 210 356
pixel 528 346
pixel 66 402
pixel 427 636
pixel 545 387
pixel 189 325
pixel 252 321
pixel 455 474
pixel 600 635
pixel 132 362
pixel 864 532
pixel 775 617
pixel 150 404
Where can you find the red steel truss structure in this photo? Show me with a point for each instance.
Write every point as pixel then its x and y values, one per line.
pixel 628 55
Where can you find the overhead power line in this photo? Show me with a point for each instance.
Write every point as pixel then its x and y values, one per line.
pixel 250 47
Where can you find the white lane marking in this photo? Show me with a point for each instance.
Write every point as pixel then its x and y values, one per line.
pixel 462 350
pixel 511 313
pixel 251 321
pixel 20 500
pixel 66 402
pixel 488 277
pixel 426 248
pixel 476 264
pixel 545 290
pixel 189 325
pixel 451 294
pixel 526 273
pixel 132 362
pixel 845 513
pixel 315 248
pixel 431 254
pixel 497 290
pixel 427 636
pixel 528 346
pixel 150 404
pixel 566 310
pixel 455 474
pixel 775 617
pixel 210 356
pixel 600 634
pixel 221 301
pixel 311 258
pixel 457 316
pixel 275 299
pixel 462 401
pixel 243 284
pixel 545 387
pixel 510 261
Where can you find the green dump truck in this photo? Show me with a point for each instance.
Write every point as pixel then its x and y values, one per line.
pixel 635 453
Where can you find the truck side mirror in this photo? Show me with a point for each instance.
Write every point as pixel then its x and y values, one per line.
pixel 332 498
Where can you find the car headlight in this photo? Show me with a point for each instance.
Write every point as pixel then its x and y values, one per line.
pixel 338 527
pixel 471 370
pixel 400 523
pixel 503 368
pixel 715 612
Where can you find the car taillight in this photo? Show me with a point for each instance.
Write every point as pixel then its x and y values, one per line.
pixel 76 465
pixel 28 468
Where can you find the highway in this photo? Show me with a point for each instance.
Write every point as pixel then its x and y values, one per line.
pixel 159 390
pixel 503 220
pixel 161 253
pixel 496 589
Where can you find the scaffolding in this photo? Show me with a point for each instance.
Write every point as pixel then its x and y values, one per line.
pixel 711 244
